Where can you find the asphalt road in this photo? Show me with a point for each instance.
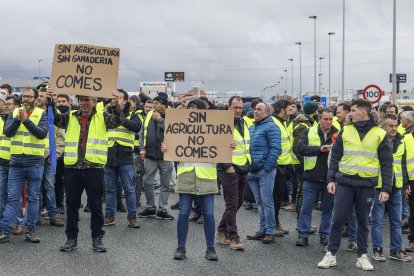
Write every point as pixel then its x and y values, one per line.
pixel 149 251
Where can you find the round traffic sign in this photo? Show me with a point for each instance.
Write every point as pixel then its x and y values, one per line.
pixel 372 93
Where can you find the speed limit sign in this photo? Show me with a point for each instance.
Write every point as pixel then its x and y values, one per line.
pixel 372 93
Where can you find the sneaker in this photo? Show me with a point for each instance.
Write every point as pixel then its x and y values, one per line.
pixel 109 221
pixel 147 213
pixel 410 247
pixel 222 238
pixel 18 230
pixel 200 220
pixel 352 247
pixel 302 241
pixel 400 256
pixel 258 236
pixel 235 244
pixel 364 263
pixel 328 261
pixel 269 238
pixel 164 215
pixel 133 223
pixel 179 253
pixel 313 229
pixel 195 217
pixel 56 222
pixel 70 245
pixel 172 189
pixel 43 213
pixel 87 209
pixel 4 238
pixel 30 237
pixel 406 231
pixel 379 256
pixel 281 229
pixel 120 207
pixel 175 206
pixel 97 245
pixel 324 241
pixel 211 254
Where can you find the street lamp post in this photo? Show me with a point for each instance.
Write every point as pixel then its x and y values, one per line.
pixel 281 78
pixel 300 70
pixel 320 73
pixel 343 51
pixel 394 54
pixel 39 60
pixel 314 50
pixel 291 79
pixel 286 81
pixel 329 67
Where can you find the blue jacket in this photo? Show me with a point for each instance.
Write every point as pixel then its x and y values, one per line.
pixel 265 145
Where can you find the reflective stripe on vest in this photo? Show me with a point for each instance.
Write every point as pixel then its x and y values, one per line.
pixel 313 140
pixel 4 142
pixel 202 170
pixel 360 157
pixel 285 158
pixel 146 123
pixel 396 167
pixel 122 136
pixel 23 142
pixel 96 144
pixel 141 118
pixel 409 148
pixel 241 154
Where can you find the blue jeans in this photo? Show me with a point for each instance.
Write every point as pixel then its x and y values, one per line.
pixel 405 210
pixel 112 175
pixel 207 208
pixel 48 185
pixel 262 184
pixel 311 190
pixel 394 210
pixel 17 178
pixel 352 227
pixel 4 175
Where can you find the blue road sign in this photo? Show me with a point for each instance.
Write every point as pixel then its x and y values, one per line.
pixel 401 78
pixel 324 100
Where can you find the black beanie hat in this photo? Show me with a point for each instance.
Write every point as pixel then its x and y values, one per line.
pixel 162 98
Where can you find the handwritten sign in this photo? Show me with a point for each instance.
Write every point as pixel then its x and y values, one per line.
pixel 198 135
pixel 87 70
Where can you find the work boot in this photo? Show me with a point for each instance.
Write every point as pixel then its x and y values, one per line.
pixel 87 209
pixel 222 238
pixel 4 238
pixel 302 241
pixel 164 215
pixel 410 247
pixel 97 245
pixel 324 241
pixel 133 223
pixel 18 230
pixel 235 244
pixel 200 220
pixel 379 256
pixel 56 222
pixel 30 237
pixel 70 245
pixel 175 206
pixel 269 238
pixel 258 236
pixel 109 221
pixel 195 217
pixel 120 207
pixel 281 229
pixel 352 247
pixel 400 256
pixel 313 229
pixel 179 253
pixel 211 254
pixel 404 223
pixel 147 213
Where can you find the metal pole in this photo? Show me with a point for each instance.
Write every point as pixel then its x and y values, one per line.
pixel 343 51
pixel 320 74
pixel 300 70
pixel 291 80
pixel 39 67
pixel 394 54
pixel 314 56
pixel 329 68
pixel 286 81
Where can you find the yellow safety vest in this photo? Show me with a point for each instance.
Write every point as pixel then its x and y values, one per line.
pixel 409 146
pixel 401 129
pixel 295 159
pixel 139 114
pixel 122 136
pixel 313 140
pixel 146 123
pixel 23 142
pixel 336 124
pixel 202 170
pixel 396 166
pixel 241 154
pixel 249 121
pixel 100 106
pixel 4 142
pixel 96 144
pixel 285 158
pixel 361 157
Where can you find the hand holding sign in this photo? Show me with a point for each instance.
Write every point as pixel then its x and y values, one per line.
pixel 156 116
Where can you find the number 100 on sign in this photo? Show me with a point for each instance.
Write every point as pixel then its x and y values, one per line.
pixel 372 93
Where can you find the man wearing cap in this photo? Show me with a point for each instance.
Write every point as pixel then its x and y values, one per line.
pixel 151 136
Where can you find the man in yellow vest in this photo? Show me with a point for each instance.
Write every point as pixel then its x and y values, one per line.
pixel 86 150
pixel 409 190
pixel 342 113
pixel 4 156
pixel 27 129
pixel 394 204
pixel 120 163
pixel 233 177
pixel 315 145
pixel 361 153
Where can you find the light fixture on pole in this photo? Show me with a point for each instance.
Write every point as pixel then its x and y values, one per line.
pixel 314 17
pixel 291 80
pixel 320 73
pixel 329 68
pixel 300 70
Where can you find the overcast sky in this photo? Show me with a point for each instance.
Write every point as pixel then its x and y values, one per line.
pixel 229 44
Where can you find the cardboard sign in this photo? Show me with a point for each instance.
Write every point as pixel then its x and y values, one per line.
pixel 87 70
pixel 198 135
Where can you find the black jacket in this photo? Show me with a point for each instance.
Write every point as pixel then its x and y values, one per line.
pixel 155 137
pixel 298 131
pixel 319 173
pixel 120 155
pixel 384 155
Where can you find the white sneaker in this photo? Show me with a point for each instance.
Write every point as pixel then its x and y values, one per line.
pixel 364 263
pixel 327 261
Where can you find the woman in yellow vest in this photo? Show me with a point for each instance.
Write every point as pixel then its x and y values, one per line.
pixel 195 179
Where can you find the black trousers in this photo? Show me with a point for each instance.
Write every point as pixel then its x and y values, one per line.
pixel 280 182
pixel 90 180
pixel 59 183
pixel 299 191
pixel 411 219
